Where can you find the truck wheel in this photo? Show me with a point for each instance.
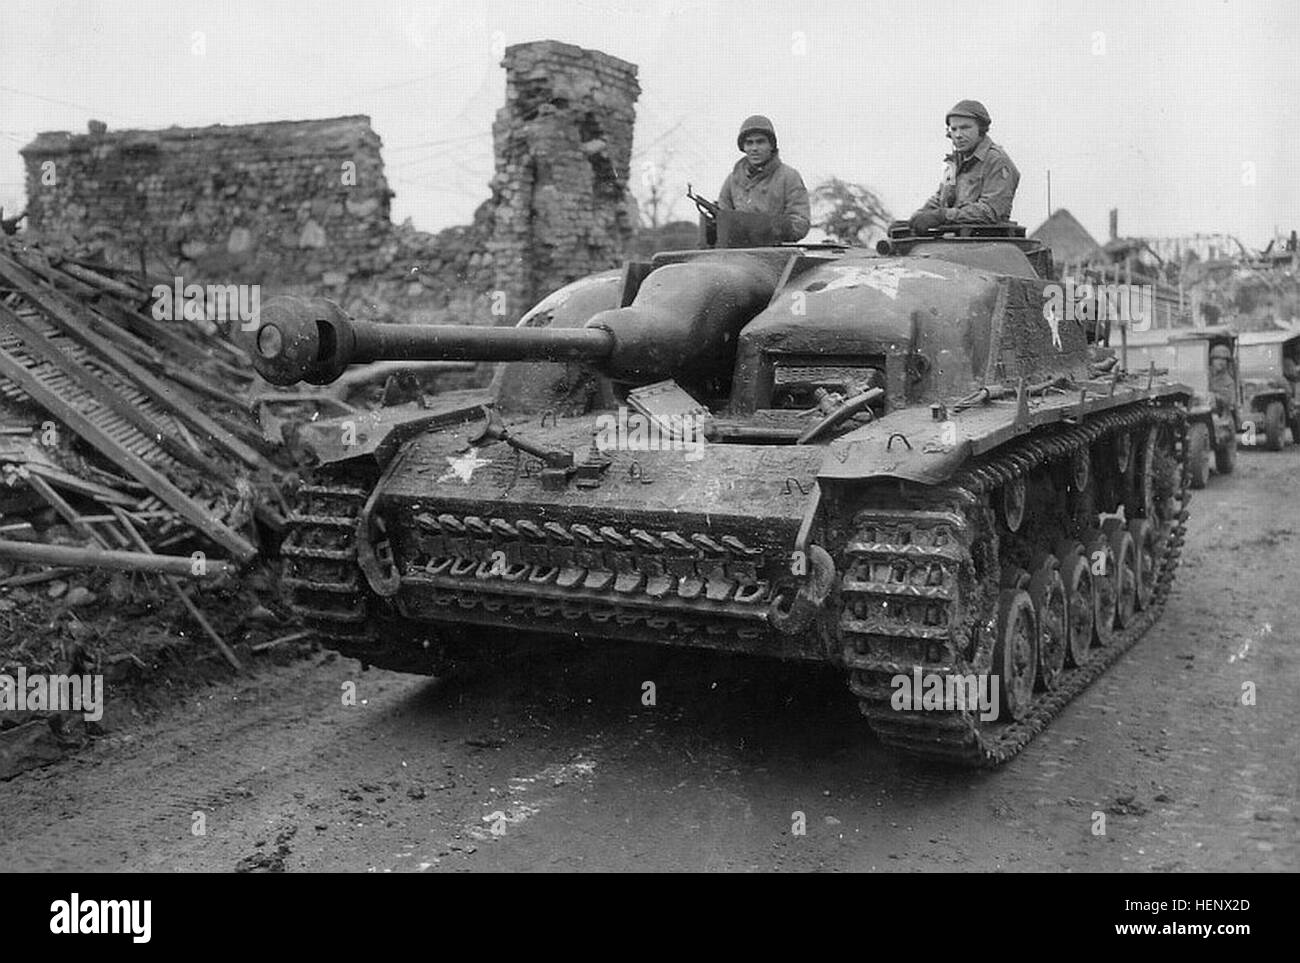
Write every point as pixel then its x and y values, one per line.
pixel 1274 425
pixel 1225 456
pixel 1198 454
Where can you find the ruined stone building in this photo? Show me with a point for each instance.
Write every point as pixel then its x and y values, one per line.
pixel 304 205
pixel 563 151
pixel 254 203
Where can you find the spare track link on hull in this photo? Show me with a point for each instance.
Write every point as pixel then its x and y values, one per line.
pixel 952 735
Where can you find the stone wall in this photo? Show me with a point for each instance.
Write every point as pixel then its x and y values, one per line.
pixel 245 204
pixel 303 206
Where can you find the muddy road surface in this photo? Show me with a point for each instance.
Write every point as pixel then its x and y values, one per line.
pixel 554 762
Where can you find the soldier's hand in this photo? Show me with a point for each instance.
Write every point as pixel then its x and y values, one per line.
pixel 923 221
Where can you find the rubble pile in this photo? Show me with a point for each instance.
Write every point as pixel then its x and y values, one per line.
pixel 123 445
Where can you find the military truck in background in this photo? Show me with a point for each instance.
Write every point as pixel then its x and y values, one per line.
pixel 1269 363
pixel 1187 356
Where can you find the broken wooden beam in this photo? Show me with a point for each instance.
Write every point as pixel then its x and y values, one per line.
pixel 156 482
pixel 40 348
pixel 35 578
pixel 176 588
pixel 53 306
pixel 42 488
pixel 182 566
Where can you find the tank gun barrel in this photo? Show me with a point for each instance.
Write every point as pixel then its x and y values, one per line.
pixel 313 340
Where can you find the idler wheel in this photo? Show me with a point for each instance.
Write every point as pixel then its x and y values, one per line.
pixel 1047 592
pixel 1076 576
pixel 1015 654
pixel 1101 560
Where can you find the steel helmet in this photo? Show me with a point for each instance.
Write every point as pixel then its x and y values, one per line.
pixel 972 109
pixel 756 124
pixel 1221 351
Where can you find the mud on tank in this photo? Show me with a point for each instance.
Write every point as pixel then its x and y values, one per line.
pixel 895 461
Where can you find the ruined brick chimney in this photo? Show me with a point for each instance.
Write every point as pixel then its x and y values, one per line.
pixel 563 151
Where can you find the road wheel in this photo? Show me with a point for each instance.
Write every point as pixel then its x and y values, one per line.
pixel 1146 560
pixel 1225 457
pixel 1101 561
pixel 1126 570
pixel 1274 425
pixel 1015 656
pixel 1198 454
pixel 1047 592
pixel 1139 500
pixel 1076 576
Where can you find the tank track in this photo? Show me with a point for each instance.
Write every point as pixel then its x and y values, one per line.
pixel 945 540
pixel 326 587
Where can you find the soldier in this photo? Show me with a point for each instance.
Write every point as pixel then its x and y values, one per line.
pixel 1222 384
pixel 761 183
pixel 979 180
pixel 1290 370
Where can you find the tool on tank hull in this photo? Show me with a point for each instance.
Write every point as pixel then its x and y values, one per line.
pixel 900 463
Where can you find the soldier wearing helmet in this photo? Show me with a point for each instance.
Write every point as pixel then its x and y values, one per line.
pixel 761 183
pixel 979 180
pixel 1222 383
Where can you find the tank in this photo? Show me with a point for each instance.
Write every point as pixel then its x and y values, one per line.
pixel 911 463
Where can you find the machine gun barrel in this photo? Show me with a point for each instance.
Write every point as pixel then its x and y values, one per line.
pixel 313 340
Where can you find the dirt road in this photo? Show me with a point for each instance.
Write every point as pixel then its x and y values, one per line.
pixel 556 764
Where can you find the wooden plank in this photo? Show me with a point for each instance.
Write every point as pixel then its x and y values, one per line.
pixel 175 586
pixel 40 348
pixel 146 474
pixel 35 578
pixel 97 280
pixel 50 304
pixel 79 526
pixel 67 555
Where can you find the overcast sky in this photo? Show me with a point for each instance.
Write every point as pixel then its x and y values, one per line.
pixel 1178 113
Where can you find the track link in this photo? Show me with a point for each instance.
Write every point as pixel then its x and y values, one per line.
pixel 905 562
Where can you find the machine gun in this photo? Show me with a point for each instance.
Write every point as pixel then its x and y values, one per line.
pixel 720 227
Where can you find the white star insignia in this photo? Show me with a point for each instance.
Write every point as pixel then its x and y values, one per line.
pixel 463 467
pixel 884 278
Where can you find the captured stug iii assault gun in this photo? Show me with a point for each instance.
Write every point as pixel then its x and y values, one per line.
pixel 897 462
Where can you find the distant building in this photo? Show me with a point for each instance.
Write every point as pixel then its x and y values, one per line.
pixel 1069 240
